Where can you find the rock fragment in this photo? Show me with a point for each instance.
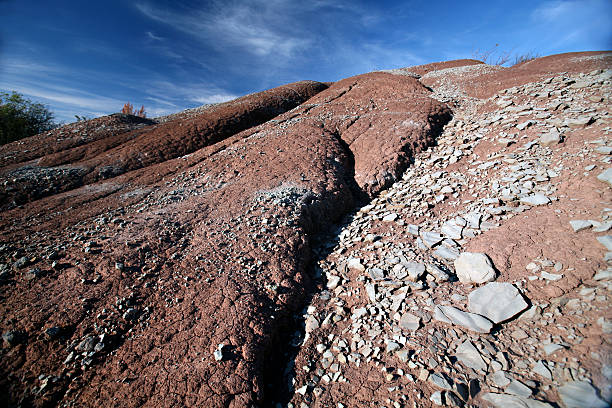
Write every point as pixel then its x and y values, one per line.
pixel 497 301
pixel 471 321
pixel 535 200
pixel 606 176
pixel 474 267
pixel 469 355
pixel 579 394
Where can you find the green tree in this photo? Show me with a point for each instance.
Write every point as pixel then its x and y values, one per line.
pixel 20 117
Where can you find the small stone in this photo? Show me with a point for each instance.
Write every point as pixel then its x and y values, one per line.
pixel 440 381
pixel 579 394
pixel 606 176
pixel 390 217
pixel 499 379
pixel 371 291
pixel 311 324
pixel 604 150
pixel 12 337
pixel 436 398
pixel 355 263
pixel 497 301
pixel 542 370
pixel 551 348
pixel 604 274
pixel 518 388
pixel 469 355
pixel 606 241
pixel 415 270
pixel 551 138
pixel 52 332
pixel 535 200
pixel 580 225
pixel 430 238
pixel 452 315
pixel 474 267
pixel 218 353
pixel 550 276
pixel 409 321
pixel 119 266
pixel 513 401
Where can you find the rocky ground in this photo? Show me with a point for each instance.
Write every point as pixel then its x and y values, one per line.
pixel 196 260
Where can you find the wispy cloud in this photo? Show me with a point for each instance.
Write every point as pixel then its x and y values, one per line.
pixel 575 23
pixel 253 27
pixel 153 37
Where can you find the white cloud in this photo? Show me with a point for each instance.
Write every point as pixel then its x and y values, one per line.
pixel 153 37
pixel 216 98
pixel 261 28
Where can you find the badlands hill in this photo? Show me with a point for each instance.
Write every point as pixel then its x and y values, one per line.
pixel 433 235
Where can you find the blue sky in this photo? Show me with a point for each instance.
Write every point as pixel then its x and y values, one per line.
pixel 90 57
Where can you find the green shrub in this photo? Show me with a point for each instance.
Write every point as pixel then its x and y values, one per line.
pixel 20 117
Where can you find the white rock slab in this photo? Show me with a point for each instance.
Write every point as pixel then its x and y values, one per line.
pixel 471 321
pixel 474 267
pixel 606 241
pixel 580 225
pixel 497 301
pixel 535 200
pixel 470 356
pixel 606 176
pixel 513 401
pixel 579 394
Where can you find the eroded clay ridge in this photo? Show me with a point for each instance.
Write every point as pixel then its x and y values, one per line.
pixel 103 148
pixel 169 285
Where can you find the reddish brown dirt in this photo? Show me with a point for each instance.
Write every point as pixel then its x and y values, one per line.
pixel 141 276
pixel 102 153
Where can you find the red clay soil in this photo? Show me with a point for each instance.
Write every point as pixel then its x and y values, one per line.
pixel 99 155
pixel 119 292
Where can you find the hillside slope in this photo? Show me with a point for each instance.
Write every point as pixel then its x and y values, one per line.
pixel 176 263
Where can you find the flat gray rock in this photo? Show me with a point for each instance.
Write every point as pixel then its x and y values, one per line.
pixel 551 138
pixel 409 321
pixel 415 270
pixel 606 176
pixel 431 238
pixel 535 200
pixel 513 401
pixel 470 356
pixel 446 253
pixel 451 230
pixel 471 321
pixel 473 267
pixel 580 225
pixel 579 394
pixel 518 388
pixel 606 241
pixel 497 301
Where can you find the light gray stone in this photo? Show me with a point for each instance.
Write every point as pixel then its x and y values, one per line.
pixel 440 381
pixel 513 401
pixel 446 253
pixel 471 321
pixel 473 267
pixel 500 379
pixel 551 348
pixel 451 230
pixel 430 238
pixel 606 241
pixel 579 394
pixel 518 388
pixel 469 355
pixel 409 321
pixel 415 270
pixel 535 200
pixel 550 138
pixel 497 301
pixel 606 176
pixel 580 225
pixel 542 370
